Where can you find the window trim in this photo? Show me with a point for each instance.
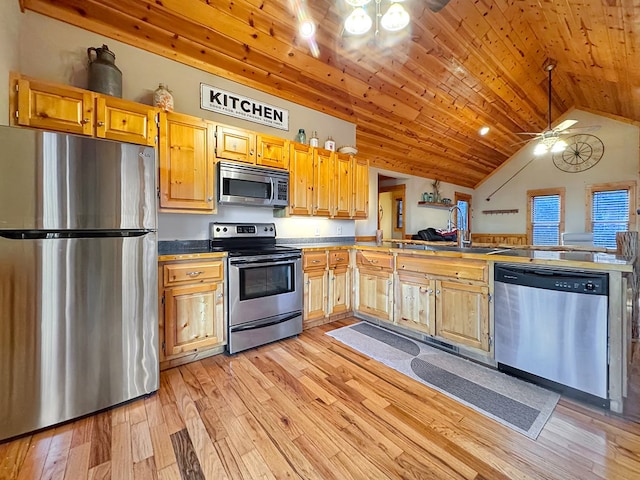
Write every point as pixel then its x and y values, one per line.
pixel 464 197
pixel 629 185
pixel 560 191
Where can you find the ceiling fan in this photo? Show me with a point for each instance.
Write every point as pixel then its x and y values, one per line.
pixel 550 138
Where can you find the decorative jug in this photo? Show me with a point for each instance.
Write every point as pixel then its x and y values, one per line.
pixel 104 76
pixel 162 98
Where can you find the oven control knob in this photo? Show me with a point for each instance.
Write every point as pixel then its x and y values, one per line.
pixel 266 229
pixel 217 229
pixel 271 229
pixel 590 286
pixel 224 229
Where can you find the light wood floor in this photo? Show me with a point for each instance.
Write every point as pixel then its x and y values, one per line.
pixel 310 407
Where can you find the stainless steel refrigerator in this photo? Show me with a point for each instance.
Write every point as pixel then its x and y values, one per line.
pixel 78 277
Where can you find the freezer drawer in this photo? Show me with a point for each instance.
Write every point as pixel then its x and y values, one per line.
pixel 78 327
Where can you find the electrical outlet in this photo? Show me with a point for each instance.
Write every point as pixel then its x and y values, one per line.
pixel 317 231
pixel 339 230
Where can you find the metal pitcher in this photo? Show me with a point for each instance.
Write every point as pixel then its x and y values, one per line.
pixel 104 76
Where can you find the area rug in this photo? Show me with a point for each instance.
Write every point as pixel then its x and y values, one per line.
pixel 520 405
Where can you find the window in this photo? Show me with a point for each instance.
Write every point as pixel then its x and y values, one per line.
pixel 463 221
pixel 545 216
pixel 609 208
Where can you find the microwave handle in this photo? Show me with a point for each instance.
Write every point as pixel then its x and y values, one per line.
pixel 273 192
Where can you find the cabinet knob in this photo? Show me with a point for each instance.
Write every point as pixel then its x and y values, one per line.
pixel 437 292
pixel 101 124
pixel 84 120
pixel 209 199
pixel 194 274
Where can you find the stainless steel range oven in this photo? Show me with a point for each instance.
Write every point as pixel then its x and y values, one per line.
pixel 264 284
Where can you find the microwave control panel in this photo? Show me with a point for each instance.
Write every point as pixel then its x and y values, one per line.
pixel 283 191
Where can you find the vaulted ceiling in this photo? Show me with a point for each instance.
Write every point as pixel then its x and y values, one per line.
pixel 418 99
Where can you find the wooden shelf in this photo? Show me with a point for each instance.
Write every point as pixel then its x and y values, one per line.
pixel 435 205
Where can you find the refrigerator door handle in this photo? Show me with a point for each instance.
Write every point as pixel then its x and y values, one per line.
pixel 47 235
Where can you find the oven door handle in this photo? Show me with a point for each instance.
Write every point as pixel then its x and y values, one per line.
pixel 268 323
pixel 270 260
pixel 273 193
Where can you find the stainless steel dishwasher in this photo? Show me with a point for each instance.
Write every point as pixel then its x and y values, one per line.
pixel 551 325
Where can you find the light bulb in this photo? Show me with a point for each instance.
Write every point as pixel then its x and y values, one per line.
pixel 483 131
pixel 358 22
pixel 540 149
pixel 395 19
pixel 559 146
pixel 357 3
pixel 307 29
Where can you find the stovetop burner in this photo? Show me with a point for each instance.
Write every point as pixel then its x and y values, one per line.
pixel 246 239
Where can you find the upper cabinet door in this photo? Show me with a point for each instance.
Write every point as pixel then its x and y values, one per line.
pixel 360 188
pixel 301 175
pixel 235 144
pixel 186 163
pixel 54 107
pixel 272 151
pixel 343 172
pixel 125 121
pixel 322 184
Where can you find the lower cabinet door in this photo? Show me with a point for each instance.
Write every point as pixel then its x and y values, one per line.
pixel 339 290
pixel 315 296
pixel 462 313
pixel 415 303
pixel 194 317
pixel 374 294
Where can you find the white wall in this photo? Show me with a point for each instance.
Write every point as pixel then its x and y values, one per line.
pixel 47 49
pixel 9 59
pixel 619 163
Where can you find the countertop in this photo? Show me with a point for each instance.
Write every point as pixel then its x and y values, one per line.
pixel 199 249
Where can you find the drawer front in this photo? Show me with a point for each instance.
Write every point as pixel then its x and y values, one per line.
pixel 338 258
pixel 476 270
pixel 181 273
pixel 365 258
pixel 314 260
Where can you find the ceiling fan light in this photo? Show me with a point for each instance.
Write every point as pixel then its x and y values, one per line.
pixel 396 18
pixel 559 146
pixel 357 3
pixel 540 149
pixel 358 22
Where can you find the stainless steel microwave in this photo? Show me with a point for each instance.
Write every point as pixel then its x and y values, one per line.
pixel 240 184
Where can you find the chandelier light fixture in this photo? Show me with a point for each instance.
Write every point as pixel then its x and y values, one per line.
pixel 359 22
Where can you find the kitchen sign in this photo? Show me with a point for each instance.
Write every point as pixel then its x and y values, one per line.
pixel 234 105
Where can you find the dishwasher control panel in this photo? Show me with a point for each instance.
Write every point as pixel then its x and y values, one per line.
pixel 554 279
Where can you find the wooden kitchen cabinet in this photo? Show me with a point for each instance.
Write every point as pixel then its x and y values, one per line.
pixel 415 303
pixel 301 178
pixel 272 151
pixel 342 195
pixel 193 323
pixel 68 109
pixel 340 285
pixel 374 285
pixel 235 144
pixel 186 164
pixel 323 187
pixel 360 188
pixel 327 286
pixel 447 298
pixel 316 288
pixel 462 313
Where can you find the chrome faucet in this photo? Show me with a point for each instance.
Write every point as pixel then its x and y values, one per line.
pixel 463 236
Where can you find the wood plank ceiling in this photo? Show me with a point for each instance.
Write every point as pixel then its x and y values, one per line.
pixel 418 99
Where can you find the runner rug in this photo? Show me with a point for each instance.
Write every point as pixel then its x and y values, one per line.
pixel 520 405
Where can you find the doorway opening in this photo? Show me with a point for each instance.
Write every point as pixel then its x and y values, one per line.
pixel 392 209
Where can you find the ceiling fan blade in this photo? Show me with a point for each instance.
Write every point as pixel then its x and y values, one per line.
pixel 585 129
pixel 528 133
pixel 436 5
pixel 564 125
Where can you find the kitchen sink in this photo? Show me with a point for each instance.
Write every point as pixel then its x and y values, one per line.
pixel 485 250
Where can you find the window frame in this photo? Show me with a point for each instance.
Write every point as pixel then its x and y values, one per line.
pixel 543 192
pixel 629 185
pixel 463 197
